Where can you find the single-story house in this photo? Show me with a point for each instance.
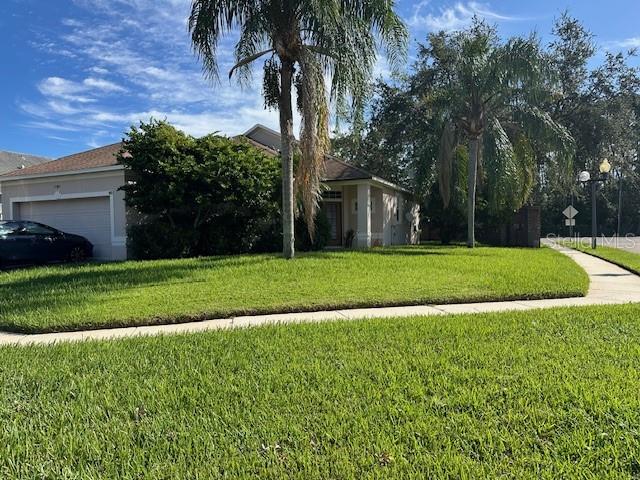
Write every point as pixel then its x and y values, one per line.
pixel 389 217
pixel 80 194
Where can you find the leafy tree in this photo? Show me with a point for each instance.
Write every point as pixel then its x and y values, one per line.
pixel 388 142
pixel 194 196
pixel 487 94
pixel 304 40
pixel 599 108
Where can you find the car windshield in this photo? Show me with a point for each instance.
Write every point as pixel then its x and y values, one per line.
pixel 9 227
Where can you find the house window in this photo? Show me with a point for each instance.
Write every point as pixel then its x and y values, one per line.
pixel 332 195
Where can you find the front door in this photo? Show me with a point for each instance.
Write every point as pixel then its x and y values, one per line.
pixel 333 211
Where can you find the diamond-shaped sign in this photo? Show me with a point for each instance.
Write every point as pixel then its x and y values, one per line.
pixel 570 212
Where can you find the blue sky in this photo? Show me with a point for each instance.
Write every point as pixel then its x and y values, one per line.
pixel 76 73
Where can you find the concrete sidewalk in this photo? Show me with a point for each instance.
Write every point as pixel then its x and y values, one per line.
pixel 609 285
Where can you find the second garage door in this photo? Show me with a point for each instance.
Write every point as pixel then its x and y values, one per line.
pixel 89 217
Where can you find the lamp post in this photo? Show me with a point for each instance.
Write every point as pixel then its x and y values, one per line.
pixel 585 178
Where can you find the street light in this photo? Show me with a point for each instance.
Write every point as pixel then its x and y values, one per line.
pixel 585 177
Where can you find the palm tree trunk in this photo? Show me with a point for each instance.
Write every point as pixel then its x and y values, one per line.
pixel 471 190
pixel 287 149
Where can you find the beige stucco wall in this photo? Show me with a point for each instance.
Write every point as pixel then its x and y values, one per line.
pixel 349 196
pixel 386 227
pixel 66 186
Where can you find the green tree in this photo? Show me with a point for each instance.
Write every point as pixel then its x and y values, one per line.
pixel 192 197
pixel 486 94
pixel 599 107
pixel 304 40
pixel 386 144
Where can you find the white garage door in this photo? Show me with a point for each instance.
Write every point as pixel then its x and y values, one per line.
pixel 89 217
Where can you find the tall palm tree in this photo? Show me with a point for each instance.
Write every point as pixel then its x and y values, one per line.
pixel 488 94
pixel 304 40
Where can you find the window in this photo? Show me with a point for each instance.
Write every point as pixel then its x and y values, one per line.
pixel 37 229
pixel 332 195
pixel 8 227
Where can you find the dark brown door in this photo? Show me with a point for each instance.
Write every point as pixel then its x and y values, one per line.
pixel 333 211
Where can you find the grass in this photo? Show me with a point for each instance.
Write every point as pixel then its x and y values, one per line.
pixel 538 394
pixel 625 259
pixel 134 293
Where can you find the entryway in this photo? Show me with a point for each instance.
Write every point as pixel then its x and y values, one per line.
pixel 333 212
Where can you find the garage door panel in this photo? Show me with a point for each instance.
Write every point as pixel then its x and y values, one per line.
pixel 89 217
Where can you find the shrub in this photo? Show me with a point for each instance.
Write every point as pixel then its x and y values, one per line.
pixel 205 196
pixel 271 241
pixel 321 238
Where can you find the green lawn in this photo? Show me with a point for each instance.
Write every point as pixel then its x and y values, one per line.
pixel 538 394
pixel 626 259
pixel 133 293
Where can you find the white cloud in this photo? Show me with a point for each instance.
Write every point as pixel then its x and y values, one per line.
pixel 62 107
pixel 102 85
pixel 633 42
pixel 62 88
pixel 70 22
pixel 197 124
pixel 455 17
pixel 80 92
pixel 143 45
pixel 99 70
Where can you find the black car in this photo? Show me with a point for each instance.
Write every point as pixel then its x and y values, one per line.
pixel 24 242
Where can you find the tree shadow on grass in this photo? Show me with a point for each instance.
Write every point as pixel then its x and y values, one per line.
pixel 128 274
pixel 418 251
pixel 84 284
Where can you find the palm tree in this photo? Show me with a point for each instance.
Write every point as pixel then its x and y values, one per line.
pixel 487 94
pixel 304 41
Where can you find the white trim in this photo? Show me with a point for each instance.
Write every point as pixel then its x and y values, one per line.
pixel 16 178
pixel 58 196
pixel 115 241
pixel 259 126
pixel 375 181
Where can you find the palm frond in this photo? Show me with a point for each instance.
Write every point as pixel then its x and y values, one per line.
pixel 552 138
pixel 445 159
pixel 314 137
pixel 500 168
pixel 247 60
pixel 209 21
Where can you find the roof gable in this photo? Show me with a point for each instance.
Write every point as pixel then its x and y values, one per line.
pixel 10 161
pixel 335 169
pixel 96 158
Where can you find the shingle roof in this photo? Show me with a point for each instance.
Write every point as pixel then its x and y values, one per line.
pixel 253 143
pixel 98 157
pixel 335 169
pixel 10 161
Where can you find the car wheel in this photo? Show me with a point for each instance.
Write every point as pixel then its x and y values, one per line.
pixel 77 254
